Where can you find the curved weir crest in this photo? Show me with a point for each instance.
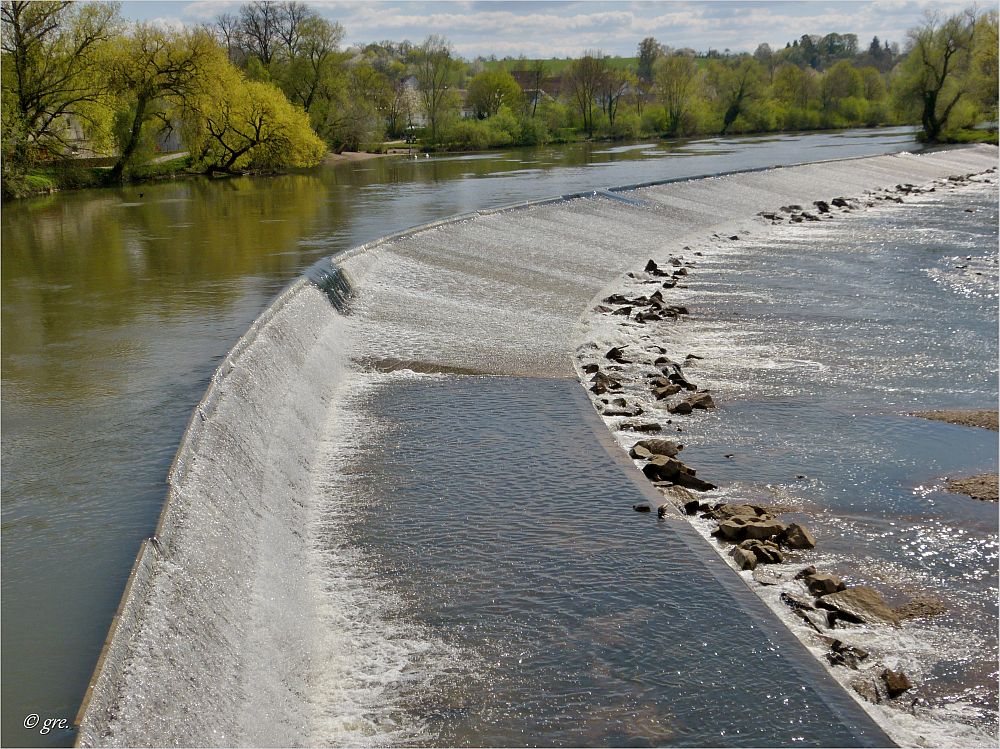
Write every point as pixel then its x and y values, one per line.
pixel 250 620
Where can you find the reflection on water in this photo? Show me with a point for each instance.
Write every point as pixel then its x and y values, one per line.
pixel 117 305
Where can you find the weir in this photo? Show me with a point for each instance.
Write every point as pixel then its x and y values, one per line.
pixel 220 635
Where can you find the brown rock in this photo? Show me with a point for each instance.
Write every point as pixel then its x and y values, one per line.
pixel 660 446
pixel 896 682
pixel 798 537
pixel 919 607
pixel 982 487
pixel 642 507
pixel 745 560
pixel 820 584
pixel 640 426
pixel 860 604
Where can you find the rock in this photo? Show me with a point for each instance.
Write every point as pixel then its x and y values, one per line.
pixel 642 507
pixel 798 537
pixel 617 353
pixel 692 507
pixel 604 384
pixel 740 529
pixel 591 368
pixel 653 269
pixel 701 400
pixel 644 317
pixel 809 216
pixel 820 584
pixel 812 619
pixel 860 604
pixel 796 601
pixel 765 551
pixel 727 511
pixel 640 426
pixel 665 391
pixel 640 453
pixel 846 655
pixel 660 446
pixel 682 408
pixel 982 487
pixel 663 509
pixel 839 202
pixel 871 688
pixel 763 576
pixel 744 559
pixel 919 607
pixel 805 572
pixel 896 682
pixel 822 206
pixel 624 311
pixel 633 410
pixel 681 272
pixel 733 238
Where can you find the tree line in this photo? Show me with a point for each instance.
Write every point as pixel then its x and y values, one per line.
pixel 271 86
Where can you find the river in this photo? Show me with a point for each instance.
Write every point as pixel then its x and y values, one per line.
pixel 119 304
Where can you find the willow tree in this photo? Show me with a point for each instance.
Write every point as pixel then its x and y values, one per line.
pixel 935 74
pixel 152 72
pixel 53 72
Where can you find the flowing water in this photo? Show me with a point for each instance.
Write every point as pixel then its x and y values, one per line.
pixel 818 341
pixel 118 306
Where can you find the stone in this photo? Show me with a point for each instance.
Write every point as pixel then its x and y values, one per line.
pixel 821 584
pixel 765 551
pixel 738 529
pixel 871 688
pixel 805 572
pixel 765 576
pixel 798 537
pixel 692 507
pixel 796 601
pixel 839 202
pixel 921 606
pixel 644 317
pixel 617 353
pixel 624 311
pixel 744 559
pixel 591 368
pixel 896 682
pixel 846 655
pixel 661 446
pixel 642 507
pixel 860 604
pixel 822 206
pixel 701 400
pixel 665 391
pixel 681 409
pixel 640 426
pixel 633 410
pixel 812 619
pixel 639 452
pixel 604 383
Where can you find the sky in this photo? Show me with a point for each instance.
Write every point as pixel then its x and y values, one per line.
pixel 569 27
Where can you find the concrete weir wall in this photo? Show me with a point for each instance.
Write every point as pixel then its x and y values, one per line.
pixel 206 646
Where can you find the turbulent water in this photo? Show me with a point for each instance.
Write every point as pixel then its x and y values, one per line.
pixel 355 553
pixel 818 340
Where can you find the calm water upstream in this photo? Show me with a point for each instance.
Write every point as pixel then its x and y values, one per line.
pixel 118 304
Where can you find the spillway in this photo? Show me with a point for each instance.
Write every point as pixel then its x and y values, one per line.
pixel 248 620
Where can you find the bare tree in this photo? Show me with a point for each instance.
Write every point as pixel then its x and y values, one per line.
pixel 434 68
pixel 259 27
pixel 584 77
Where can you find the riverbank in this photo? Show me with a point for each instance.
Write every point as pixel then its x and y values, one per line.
pixel 644 376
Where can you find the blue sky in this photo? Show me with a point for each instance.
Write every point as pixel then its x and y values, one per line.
pixel 557 29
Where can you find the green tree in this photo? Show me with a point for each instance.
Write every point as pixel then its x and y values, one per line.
pixel 840 82
pixel 151 70
pixel 736 83
pixel 676 81
pixel 53 71
pixel 491 90
pixel 649 51
pixel 436 71
pixel 583 79
pixel 935 74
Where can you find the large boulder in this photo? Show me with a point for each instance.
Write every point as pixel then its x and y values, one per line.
pixel 741 528
pixel 766 552
pixel 896 682
pixel 744 558
pixel 799 537
pixel 860 604
pixel 822 584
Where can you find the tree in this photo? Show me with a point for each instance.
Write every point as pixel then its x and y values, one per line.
pixel 259 29
pixel 150 70
pixel 583 79
pixel 675 78
pixel 244 124
pixel 649 51
pixel 983 83
pixel 736 83
pixel 794 86
pixel 55 55
pixel 934 75
pixel 435 70
pixel 842 81
pixel 313 71
pixel 611 87
pixel 491 90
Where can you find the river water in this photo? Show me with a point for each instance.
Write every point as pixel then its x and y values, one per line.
pixel 118 305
